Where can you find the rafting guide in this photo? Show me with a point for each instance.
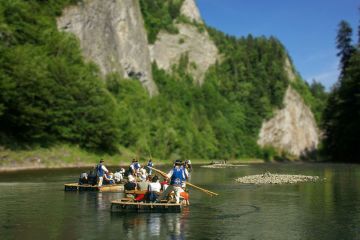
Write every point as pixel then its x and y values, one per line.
pixel 178 175
pixel 101 171
pixel 149 166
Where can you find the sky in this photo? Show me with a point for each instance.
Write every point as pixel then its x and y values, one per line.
pixel 307 28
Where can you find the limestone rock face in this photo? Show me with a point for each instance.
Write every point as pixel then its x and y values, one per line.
pixel 112 34
pixel 190 10
pixel 190 41
pixel 293 129
pixel 200 49
pixel 289 71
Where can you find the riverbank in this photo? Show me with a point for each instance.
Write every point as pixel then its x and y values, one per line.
pixel 60 156
pixel 65 156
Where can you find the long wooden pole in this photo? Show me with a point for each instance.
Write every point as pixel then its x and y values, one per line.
pixel 202 189
pixel 187 183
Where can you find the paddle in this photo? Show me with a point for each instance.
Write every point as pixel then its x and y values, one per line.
pixel 187 183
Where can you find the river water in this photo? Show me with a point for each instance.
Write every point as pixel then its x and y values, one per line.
pixel 33 205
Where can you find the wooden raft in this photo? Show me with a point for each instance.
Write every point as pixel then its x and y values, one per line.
pixel 87 187
pixel 125 205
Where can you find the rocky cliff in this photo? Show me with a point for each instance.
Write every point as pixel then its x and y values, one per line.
pixel 191 41
pixel 190 10
pixel 293 129
pixel 112 34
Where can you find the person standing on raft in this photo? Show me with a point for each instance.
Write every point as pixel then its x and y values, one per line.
pixel 149 166
pixel 177 176
pixel 101 171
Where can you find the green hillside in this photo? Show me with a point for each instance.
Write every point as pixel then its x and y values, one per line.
pixel 50 95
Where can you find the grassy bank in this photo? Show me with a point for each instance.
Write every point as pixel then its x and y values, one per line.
pixel 62 156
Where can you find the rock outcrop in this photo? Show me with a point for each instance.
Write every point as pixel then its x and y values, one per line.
pixel 289 70
pixel 190 10
pixel 190 41
pixel 112 34
pixel 293 129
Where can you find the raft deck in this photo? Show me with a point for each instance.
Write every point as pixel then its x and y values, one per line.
pixel 124 205
pixel 87 187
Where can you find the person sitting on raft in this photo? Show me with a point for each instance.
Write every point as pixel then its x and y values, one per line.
pixel 142 174
pixel 143 186
pixel 177 176
pixel 130 186
pixel 101 171
pixel 154 189
pixel 109 178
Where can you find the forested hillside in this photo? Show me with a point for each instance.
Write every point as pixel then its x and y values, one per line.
pixel 341 122
pixel 50 95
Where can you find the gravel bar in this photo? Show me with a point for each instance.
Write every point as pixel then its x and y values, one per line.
pixel 269 178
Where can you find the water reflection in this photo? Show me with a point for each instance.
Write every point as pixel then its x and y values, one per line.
pixel 152 226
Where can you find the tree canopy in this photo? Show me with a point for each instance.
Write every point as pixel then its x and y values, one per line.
pixel 342 114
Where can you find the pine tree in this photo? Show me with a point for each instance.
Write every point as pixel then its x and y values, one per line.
pixel 342 115
pixel 344 45
pixel 359 31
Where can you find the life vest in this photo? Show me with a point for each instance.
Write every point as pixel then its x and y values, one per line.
pixel 136 166
pixel 150 164
pixel 178 176
pixel 100 170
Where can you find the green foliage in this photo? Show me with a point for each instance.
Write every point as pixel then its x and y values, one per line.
pixel 342 113
pixel 47 92
pixel 159 15
pixel 220 119
pixel 343 43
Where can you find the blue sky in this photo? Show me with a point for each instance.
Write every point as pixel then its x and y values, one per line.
pixel 307 28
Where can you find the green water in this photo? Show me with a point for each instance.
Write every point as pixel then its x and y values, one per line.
pixel 33 205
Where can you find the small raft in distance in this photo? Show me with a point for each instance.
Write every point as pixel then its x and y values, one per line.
pixel 87 187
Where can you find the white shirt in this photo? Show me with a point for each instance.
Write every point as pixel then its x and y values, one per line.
pixel 155 186
pixel 104 168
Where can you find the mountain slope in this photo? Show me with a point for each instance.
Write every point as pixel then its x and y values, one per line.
pixel 149 102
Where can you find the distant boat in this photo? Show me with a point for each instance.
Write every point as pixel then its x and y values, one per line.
pixel 88 187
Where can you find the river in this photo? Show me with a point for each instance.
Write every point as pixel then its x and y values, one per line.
pixel 33 205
